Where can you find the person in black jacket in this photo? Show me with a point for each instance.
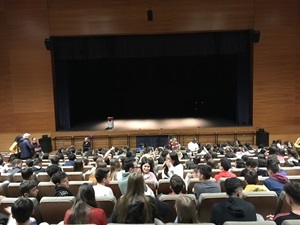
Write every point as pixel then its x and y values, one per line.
pixel 61 182
pixel 233 208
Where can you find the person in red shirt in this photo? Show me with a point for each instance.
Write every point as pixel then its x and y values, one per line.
pixel 225 165
pixel 85 210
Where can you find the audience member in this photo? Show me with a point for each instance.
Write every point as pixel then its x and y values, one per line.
pixel 136 207
pixel 29 188
pixel 252 164
pixel 233 208
pixel 52 169
pixel 37 166
pixel 27 173
pixel 26 148
pixel 86 145
pixel 225 165
pixel 3 165
pixel 103 178
pixel 251 178
pixel 115 169
pixel 147 170
pixel 276 179
pixel 21 212
pixel 186 209
pixel 14 148
pixel 78 165
pixel 16 166
pixel 292 190
pixel 193 145
pixel 130 167
pixel 84 209
pixel 177 185
pixel 207 185
pixel 71 159
pixel 172 166
pixel 61 182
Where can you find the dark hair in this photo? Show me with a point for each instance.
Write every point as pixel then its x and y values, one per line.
pixel 26 173
pixel 232 184
pixel 78 165
pixel 22 209
pixel 128 163
pixel 177 184
pixel 85 199
pixel 58 177
pixel 27 185
pixel 100 174
pixel 205 170
pixel 52 169
pixel 251 176
pixel 225 163
pixel 54 159
pixel 292 189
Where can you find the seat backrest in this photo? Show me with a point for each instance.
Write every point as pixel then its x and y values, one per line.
pixel 107 203
pixel 171 199
pixel 12 189
pixel 75 175
pixel 46 189
pixel 53 209
pixel 222 182
pixel 17 177
pixel 75 184
pixel 6 177
pixel 205 203
pixel 68 168
pixel 191 185
pixel 163 186
pixel 9 201
pixel 291 222
pixel 282 205
pixel 265 222
pixel 265 202
pixel 113 184
pixel 42 176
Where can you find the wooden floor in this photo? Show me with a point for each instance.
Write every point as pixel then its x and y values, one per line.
pixel 155 124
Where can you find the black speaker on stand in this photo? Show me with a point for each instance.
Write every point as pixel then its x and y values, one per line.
pixel 46 144
pixel 262 137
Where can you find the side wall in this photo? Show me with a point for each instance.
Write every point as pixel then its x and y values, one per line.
pixel 26 88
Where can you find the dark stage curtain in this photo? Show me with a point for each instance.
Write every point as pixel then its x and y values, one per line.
pixel 66 49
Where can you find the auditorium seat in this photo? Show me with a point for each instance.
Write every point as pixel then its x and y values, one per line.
pixel 53 209
pixel 151 184
pixel 265 222
pixel 265 202
pixel 282 205
pixel 12 189
pixel 191 185
pixel 107 203
pixel 46 188
pixel 42 176
pixel 291 222
pixel 171 199
pixel 74 175
pixel 163 186
pixel 75 184
pixel 205 203
pixel 8 202
pixel 113 184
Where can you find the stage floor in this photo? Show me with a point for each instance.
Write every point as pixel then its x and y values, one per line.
pixel 145 124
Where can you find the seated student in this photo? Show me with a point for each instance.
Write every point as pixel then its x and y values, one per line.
pixel 207 185
pixel 276 179
pixel 27 173
pixel 103 178
pixel 251 178
pixel 186 209
pixel 52 169
pixel 225 165
pixel 61 182
pixel 21 212
pixel 252 164
pixel 177 185
pixel 233 208
pixel 84 209
pixel 37 166
pixel 29 188
pixel 292 190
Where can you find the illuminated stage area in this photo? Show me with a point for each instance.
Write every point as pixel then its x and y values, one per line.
pixel 154 124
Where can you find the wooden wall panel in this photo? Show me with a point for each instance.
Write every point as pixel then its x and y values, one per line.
pixel 94 17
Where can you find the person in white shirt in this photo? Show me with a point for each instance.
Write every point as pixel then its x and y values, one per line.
pixel 172 166
pixel 102 176
pixel 193 145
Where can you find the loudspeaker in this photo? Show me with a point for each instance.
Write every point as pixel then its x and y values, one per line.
pixel 262 138
pixel 46 144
